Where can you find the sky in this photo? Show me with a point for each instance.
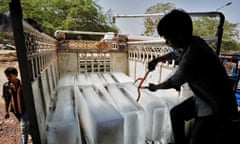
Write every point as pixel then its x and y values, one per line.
pixel 135 25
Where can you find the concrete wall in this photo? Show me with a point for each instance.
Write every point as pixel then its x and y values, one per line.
pixel 67 62
pixel 119 62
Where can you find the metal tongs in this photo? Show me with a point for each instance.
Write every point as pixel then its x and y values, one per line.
pixel 141 79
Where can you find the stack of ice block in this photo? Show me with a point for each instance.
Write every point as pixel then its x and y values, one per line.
pixel 102 89
pixel 62 122
pixel 134 127
pixel 101 122
pixel 108 111
pixel 157 120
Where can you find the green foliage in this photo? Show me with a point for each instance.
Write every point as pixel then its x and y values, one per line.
pixel 4 6
pixel 151 22
pixel 79 15
pixel 206 26
pixel 203 26
pixel 230 46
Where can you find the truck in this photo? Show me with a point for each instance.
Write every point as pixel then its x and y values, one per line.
pixel 84 91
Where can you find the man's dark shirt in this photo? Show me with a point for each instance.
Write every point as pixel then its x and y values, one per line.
pixel 201 68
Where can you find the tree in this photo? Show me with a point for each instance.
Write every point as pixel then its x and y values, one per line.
pixel 79 15
pixel 206 26
pixel 203 26
pixel 151 22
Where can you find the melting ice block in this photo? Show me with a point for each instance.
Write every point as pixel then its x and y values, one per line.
pixel 62 122
pixel 134 128
pixel 101 122
pixel 101 79
pixel 97 79
pixel 90 79
pixel 121 77
pixel 67 79
pixel 83 80
pixel 157 120
pixel 109 78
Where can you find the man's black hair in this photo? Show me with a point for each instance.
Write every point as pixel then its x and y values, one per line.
pixel 11 70
pixel 176 22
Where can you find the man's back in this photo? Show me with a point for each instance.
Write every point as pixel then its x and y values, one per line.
pixel 208 78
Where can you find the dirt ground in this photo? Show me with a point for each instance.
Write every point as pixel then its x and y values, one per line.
pixel 9 128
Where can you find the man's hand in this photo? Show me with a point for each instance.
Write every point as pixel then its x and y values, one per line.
pixel 6 116
pixel 152 64
pixel 154 87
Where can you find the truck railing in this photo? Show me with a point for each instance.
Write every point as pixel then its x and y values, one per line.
pixel 37 58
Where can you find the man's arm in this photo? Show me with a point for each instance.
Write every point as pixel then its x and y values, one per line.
pixel 7 99
pixel 164 85
pixel 177 79
pixel 152 64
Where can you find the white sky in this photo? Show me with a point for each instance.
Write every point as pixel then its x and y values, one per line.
pixel 135 26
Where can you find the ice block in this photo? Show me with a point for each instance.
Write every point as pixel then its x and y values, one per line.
pixel 121 77
pixel 101 122
pixel 62 124
pixel 134 128
pixel 67 79
pixel 157 121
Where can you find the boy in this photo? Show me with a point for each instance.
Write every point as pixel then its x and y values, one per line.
pixel 13 97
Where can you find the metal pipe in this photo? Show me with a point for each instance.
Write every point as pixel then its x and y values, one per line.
pixel 81 32
pixel 218 34
pixel 135 16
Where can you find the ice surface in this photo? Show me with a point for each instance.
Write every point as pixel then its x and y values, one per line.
pixel 90 79
pixel 62 123
pixel 121 77
pixel 101 122
pixel 97 79
pixel 156 114
pixel 67 79
pixel 134 128
pixel 101 79
pixel 109 78
pixel 83 80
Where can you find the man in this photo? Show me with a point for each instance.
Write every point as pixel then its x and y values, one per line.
pixel 13 97
pixel 213 103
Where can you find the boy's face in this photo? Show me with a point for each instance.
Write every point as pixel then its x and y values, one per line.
pixel 11 77
pixel 171 41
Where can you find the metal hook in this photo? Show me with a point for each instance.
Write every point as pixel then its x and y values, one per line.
pixel 141 79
